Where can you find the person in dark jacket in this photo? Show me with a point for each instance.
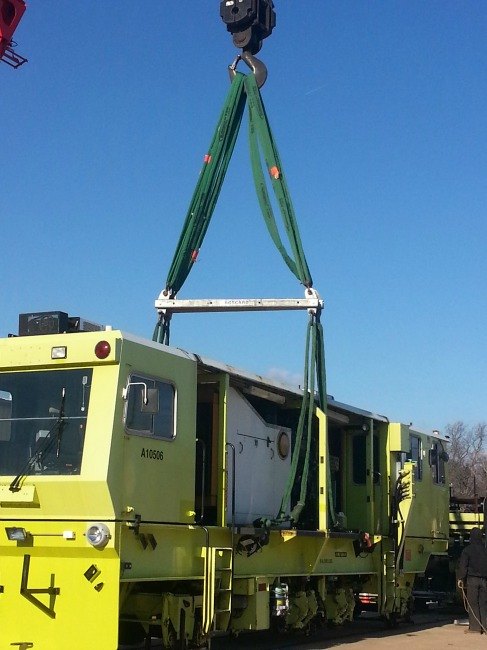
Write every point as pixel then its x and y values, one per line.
pixel 472 570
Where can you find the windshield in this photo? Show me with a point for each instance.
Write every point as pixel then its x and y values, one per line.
pixel 43 421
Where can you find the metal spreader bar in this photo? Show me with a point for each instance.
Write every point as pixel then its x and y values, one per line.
pixel 237 304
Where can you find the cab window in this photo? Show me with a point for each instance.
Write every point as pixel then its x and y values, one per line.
pixel 437 459
pixel 150 407
pixel 43 418
pixel 416 455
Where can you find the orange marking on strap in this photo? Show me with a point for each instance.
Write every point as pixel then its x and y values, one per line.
pixel 274 172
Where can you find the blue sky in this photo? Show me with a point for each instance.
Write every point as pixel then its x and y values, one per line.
pixel 379 112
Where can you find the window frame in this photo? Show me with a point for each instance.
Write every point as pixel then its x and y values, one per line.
pixel 437 462
pixel 418 469
pixel 134 378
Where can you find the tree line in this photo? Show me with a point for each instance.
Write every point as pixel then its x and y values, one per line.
pixel 468 459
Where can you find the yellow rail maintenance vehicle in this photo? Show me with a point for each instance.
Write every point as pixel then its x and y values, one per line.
pixel 148 491
pixel 139 486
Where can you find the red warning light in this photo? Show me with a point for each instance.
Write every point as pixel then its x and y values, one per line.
pixel 102 349
pixel 11 11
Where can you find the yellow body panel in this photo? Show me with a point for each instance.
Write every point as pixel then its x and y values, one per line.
pixel 84 608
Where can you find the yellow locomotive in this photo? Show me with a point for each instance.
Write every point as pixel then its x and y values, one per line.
pixel 138 486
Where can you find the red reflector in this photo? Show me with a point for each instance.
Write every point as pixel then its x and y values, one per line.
pixel 262 586
pixel 102 349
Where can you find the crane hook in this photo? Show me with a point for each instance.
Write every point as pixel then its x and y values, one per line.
pixel 258 68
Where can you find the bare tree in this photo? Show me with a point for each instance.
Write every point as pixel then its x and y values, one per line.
pixel 468 459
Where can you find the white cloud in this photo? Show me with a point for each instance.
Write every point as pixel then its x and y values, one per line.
pixel 285 376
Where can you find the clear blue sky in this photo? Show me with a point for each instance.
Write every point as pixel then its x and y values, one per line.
pixel 379 112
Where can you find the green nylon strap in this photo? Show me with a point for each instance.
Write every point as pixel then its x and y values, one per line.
pixel 260 133
pixel 243 89
pixel 313 367
pixel 286 497
pixel 208 186
pixel 311 411
pixel 205 196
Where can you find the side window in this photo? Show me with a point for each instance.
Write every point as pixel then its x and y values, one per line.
pixel 437 459
pixel 5 415
pixel 150 407
pixel 359 460
pixel 416 455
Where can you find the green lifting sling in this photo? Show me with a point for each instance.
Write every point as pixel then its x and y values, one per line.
pixel 244 90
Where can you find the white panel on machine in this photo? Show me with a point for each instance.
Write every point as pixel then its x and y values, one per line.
pixel 260 470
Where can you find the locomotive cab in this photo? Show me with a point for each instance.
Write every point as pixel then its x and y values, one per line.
pixel 97 433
